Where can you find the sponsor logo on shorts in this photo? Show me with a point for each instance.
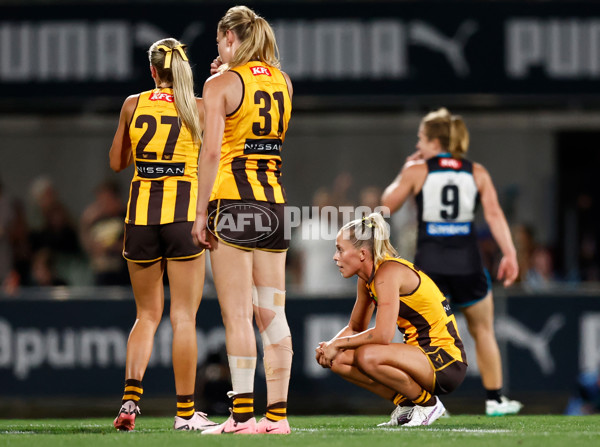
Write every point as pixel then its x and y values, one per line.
pixel 260 71
pixel 448 229
pixel 243 222
pixel 156 170
pixel 262 146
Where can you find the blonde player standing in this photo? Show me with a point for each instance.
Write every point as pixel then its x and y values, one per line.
pixel 248 107
pixel 160 130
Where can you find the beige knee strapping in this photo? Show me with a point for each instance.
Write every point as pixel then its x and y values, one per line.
pixel 272 299
pixel 277 343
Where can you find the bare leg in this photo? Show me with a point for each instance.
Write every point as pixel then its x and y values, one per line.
pixel 186 280
pixel 268 271
pixel 345 367
pixel 147 284
pixel 480 320
pixel 397 366
pixel 232 272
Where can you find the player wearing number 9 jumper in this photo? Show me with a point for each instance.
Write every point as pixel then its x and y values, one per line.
pixel 447 188
pixel 248 106
pixel 160 131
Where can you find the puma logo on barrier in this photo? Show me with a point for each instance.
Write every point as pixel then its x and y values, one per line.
pixel 453 48
pixel 538 344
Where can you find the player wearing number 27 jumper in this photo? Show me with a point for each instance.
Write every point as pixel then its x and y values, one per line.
pixel 160 132
pixel 448 188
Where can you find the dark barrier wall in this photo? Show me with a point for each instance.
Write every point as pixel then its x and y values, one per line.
pixel 364 49
pixel 77 346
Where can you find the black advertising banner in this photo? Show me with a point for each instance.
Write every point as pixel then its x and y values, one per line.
pixel 375 50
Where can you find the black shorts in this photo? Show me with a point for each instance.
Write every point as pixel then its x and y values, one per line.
pixel 463 290
pixel 248 224
pixel 149 243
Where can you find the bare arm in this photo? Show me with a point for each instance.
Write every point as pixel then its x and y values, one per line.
pixel 387 286
pixel 407 183
pixel 214 98
pixel 494 216
pixel 120 154
pixel 361 312
pixel 359 321
pixel 200 106
pixel 289 84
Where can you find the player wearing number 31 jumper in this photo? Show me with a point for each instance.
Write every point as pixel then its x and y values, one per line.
pixel 447 188
pixel 248 107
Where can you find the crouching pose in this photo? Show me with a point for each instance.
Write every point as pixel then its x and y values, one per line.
pixel 432 360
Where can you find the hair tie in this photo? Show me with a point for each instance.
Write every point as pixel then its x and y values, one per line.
pixel 367 221
pixel 169 53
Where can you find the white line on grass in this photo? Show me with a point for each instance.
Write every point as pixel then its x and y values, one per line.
pixel 399 429
pixel 473 430
pixel 17 432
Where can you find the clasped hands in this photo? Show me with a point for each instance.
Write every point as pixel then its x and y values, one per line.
pixel 326 353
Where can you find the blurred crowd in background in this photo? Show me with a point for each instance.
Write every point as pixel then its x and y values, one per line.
pixel 42 244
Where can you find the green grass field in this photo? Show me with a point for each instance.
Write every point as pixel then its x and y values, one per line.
pixel 309 431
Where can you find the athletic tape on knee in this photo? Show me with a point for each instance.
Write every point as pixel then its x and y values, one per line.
pixel 272 299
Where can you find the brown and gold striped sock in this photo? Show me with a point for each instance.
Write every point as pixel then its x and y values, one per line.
pixel 277 411
pixel 399 399
pixel 133 391
pixel 425 399
pixel 243 407
pixel 185 406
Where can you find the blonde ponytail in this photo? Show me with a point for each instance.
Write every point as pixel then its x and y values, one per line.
pixel 459 137
pixel 257 39
pixel 450 130
pixel 179 73
pixel 372 232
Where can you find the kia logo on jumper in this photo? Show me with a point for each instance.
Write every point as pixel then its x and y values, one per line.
pixel 242 222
